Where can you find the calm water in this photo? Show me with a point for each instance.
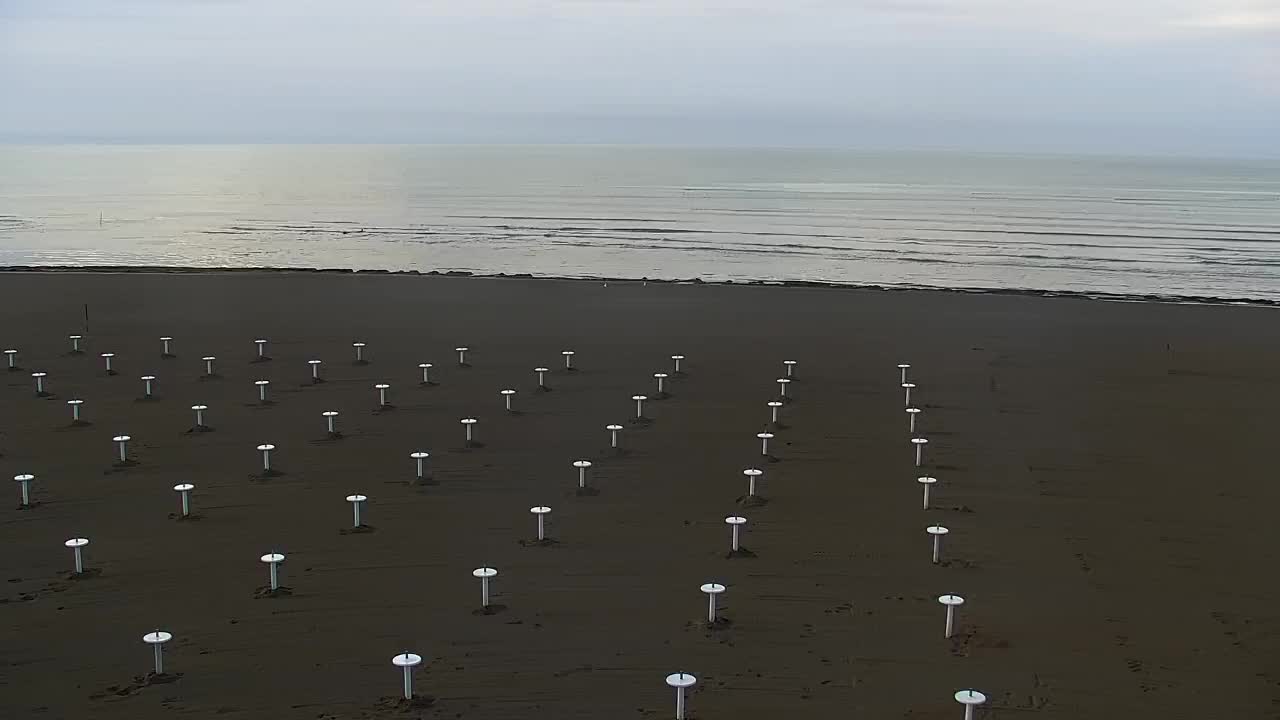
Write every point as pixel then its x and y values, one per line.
pixel 1169 227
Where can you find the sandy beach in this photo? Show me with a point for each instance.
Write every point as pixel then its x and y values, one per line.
pixel 1101 467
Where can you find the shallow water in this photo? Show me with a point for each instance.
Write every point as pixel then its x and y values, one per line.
pixel 1080 224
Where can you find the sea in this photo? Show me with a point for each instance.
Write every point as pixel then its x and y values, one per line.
pixel 1173 228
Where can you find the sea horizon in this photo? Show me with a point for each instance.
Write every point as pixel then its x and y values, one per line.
pixel 91 142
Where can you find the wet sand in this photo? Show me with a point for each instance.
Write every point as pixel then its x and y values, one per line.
pixel 1102 467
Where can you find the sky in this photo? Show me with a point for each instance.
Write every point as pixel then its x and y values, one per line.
pixel 1169 77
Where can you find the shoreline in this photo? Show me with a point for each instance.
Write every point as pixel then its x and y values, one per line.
pixel 1012 292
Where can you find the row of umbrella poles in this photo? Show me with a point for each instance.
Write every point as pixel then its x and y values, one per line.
pixel 680 681
pixel 967 697
pixel 273 560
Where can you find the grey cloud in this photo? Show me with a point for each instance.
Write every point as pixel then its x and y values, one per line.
pixel 876 73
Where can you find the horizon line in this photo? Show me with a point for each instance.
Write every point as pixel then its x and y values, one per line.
pixel 863 149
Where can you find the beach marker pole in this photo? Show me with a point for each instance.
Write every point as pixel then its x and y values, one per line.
pixel 951 602
pixel 639 405
pixel 25 482
pixel 712 590
pixel 262 349
pixel 782 389
pixel 919 442
pixel 12 356
pixel 937 531
pixel 157 640
pixel 506 396
pixel 40 376
pixel 266 449
pixel 76 544
pixel 331 417
pixel 122 441
pixel 541 511
pixel 273 560
pixel 462 355
pixel 568 360
pixel 146 387
pixel 911 419
pixel 676 360
pixel 421 458
pixel 164 351
pixel 542 372
pixel 734 522
pixel 680 681
pixel 200 415
pixel 791 368
pixel 356 501
pixel 926 482
pixel 773 411
pixel 107 357
pixel 613 435
pixel 752 474
pixel 902 368
pixel 382 394
pixel 315 370
pixel 970 699
pixel 185 490
pixel 426 373
pixel 660 377
pixel 484 573
pixel 582 466
pixel 468 423
pixel 208 365
pixel 359 346
pixel 75 410
pixel 407 661
pixel 907 387
pixel 75 344
pixel 262 390
pixel 764 443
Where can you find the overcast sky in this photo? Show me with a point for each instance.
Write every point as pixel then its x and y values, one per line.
pixel 1192 77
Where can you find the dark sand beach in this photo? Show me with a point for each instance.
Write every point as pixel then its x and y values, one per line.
pixel 1103 468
